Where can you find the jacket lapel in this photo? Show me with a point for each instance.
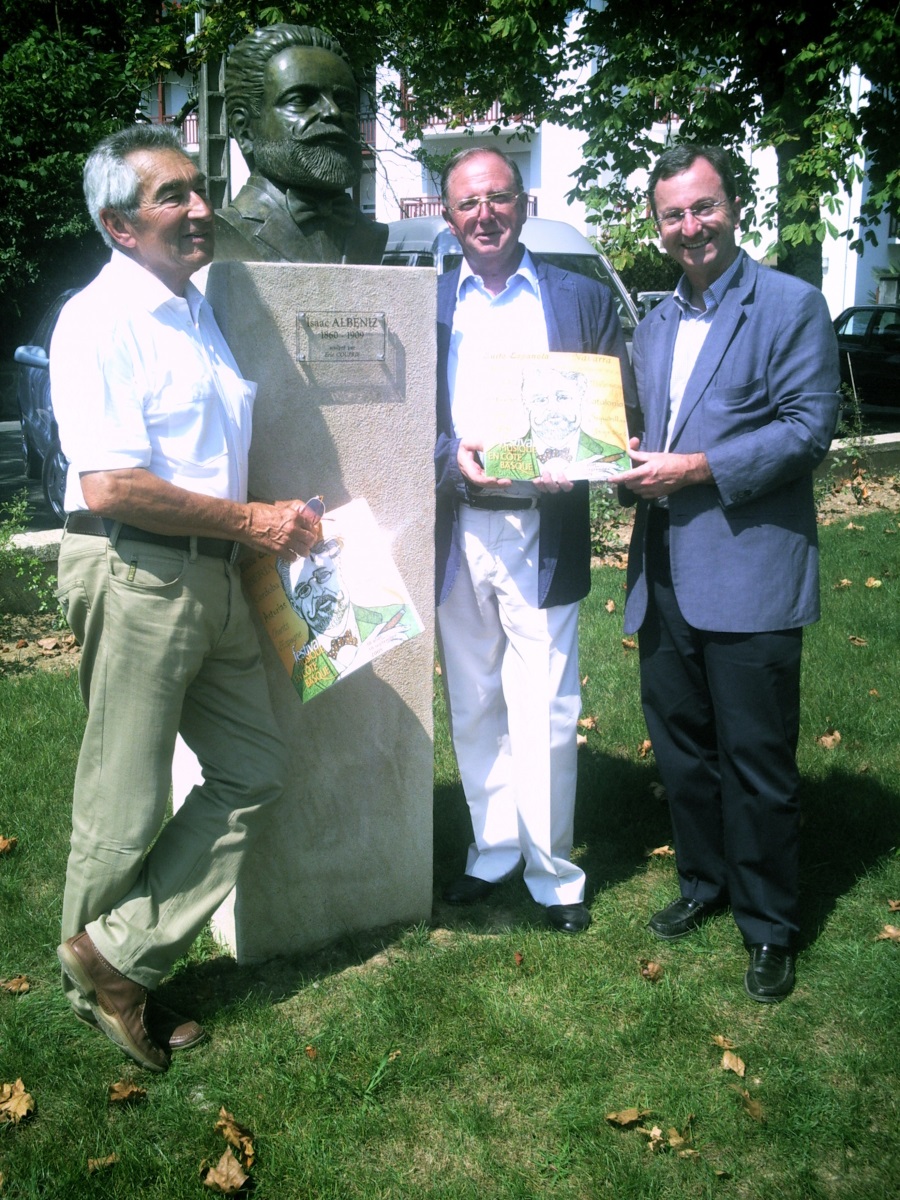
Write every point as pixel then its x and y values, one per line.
pixel 725 324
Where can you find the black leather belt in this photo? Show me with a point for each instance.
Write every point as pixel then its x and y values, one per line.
pixel 503 503
pixel 97 526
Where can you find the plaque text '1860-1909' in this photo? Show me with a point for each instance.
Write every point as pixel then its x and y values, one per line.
pixel 340 336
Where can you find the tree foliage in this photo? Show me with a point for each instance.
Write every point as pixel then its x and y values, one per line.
pixel 69 73
pixel 737 72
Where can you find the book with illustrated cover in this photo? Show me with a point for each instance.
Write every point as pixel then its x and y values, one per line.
pixel 337 609
pixel 555 411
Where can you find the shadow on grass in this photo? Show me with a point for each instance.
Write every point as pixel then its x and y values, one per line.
pixel 850 823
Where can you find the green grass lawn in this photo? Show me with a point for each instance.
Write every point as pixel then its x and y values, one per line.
pixel 478 1057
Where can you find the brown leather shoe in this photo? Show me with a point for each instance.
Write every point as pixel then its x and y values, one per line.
pixel 119 1004
pixel 168 1027
pixel 171 1029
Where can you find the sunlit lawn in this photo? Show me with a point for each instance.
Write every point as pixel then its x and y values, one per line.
pixel 479 1057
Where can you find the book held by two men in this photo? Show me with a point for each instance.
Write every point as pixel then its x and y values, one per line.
pixel 555 411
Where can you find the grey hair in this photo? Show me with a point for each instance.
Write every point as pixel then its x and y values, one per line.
pixel 110 181
pixel 247 62
pixel 461 156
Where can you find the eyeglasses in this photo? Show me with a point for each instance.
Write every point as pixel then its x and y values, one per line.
pixel 704 211
pixel 494 200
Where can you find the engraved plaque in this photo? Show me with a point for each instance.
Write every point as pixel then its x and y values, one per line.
pixel 340 336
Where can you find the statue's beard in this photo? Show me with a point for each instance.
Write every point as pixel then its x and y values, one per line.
pixel 317 164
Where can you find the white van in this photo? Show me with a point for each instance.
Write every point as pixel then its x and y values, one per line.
pixel 427 242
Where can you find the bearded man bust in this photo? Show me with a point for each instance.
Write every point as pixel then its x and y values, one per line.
pixel 292 104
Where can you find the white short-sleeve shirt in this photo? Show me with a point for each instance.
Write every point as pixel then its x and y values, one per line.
pixel 141 377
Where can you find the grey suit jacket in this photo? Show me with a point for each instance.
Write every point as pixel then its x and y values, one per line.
pixel 762 405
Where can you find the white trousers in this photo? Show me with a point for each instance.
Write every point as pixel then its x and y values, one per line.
pixel 510 671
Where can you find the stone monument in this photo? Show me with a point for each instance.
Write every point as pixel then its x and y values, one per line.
pixel 344 359
pixel 292 106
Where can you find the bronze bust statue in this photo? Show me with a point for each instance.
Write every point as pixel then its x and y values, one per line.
pixel 291 102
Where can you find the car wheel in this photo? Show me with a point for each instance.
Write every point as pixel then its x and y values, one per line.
pixel 31 460
pixel 53 478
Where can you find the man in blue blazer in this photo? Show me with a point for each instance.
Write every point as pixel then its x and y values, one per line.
pixel 512 563
pixel 737 380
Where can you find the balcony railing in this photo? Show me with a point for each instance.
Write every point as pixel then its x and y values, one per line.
pixel 430 206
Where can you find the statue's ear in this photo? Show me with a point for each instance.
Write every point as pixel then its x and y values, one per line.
pixel 241 130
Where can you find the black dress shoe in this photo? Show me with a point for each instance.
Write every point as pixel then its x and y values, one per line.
pixel 682 917
pixel 770 975
pixel 467 890
pixel 568 918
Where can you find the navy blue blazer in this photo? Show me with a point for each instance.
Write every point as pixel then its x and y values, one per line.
pixel 581 319
pixel 762 404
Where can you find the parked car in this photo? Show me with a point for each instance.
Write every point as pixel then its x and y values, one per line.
pixel 42 457
pixel 869 343
pixel 427 242
pixel 647 301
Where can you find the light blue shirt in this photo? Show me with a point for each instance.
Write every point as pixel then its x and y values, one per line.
pixel 485 326
pixel 693 328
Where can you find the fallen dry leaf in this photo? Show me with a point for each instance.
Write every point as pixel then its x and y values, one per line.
pixel 829 739
pixel 226 1177
pixel 629 644
pixel 857 641
pixel 588 722
pixel 519 958
pixel 17 986
pixel 48 643
pixel 874 692
pixel 890 933
pixel 843 583
pixel 627 1117
pixel 644 748
pixel 437 669
pixel 850 525
pixel 21 643
pixel 7 844
pixel 312 1053
pixel 237 1136
pixel 872 582
pixel 661 852
pixel 610 606
pixel 125 1092
pixel 655 1139
pixel 650 971
pixel 724 1042
pixel 584 681
pixel 100 1164
pixel 731 1062
pixel 752 1107
pixel 15 1103
pixel 894 905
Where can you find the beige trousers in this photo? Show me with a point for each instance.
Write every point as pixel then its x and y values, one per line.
pixel 167 647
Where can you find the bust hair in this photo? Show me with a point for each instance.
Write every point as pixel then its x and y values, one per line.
pixel 112 182
pixel 461 156
pixel 247 63
pixel 681 158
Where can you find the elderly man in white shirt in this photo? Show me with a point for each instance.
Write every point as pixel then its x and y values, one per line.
pixel 155 420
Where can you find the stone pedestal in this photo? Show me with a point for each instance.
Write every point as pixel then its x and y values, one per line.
pixel 345 362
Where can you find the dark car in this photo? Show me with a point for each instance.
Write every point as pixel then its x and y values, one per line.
pixel 869 343
pixel 41 454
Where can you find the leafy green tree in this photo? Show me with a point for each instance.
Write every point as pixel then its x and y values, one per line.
pixel 69 73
